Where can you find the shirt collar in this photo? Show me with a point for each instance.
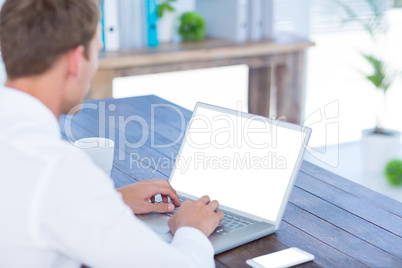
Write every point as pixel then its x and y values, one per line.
pixel 19 102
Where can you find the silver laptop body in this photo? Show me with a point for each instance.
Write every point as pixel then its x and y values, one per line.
pixel 248 163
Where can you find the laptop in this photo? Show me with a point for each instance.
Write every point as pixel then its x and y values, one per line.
pixel 248 163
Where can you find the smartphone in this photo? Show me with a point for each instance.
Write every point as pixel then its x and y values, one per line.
pixel 284 258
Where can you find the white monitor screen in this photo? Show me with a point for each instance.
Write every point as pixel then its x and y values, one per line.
pixel 243 161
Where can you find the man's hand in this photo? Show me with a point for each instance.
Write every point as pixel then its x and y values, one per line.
pixel 202 214
pixel 137 196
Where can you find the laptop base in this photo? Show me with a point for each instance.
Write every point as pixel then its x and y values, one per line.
pixel 220 241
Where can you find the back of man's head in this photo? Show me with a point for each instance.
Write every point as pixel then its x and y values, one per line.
pixel 35 33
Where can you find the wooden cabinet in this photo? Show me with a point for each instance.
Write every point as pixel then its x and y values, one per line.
pixel 276 68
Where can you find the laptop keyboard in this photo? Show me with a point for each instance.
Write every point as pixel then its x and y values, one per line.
pixel 230 222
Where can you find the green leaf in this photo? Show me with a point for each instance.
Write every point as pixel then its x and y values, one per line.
pixel 170 8
pixel 386 86
pixel 379 77
pixel 160 11
pixel 164 6
pixel 375 80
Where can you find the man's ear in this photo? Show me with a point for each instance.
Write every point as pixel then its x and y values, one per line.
pixel 75 57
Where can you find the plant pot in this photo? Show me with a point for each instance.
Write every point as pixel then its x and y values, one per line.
pixel 379 149
pixel 165 27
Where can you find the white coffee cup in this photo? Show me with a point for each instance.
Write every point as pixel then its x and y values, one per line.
pixel 100 150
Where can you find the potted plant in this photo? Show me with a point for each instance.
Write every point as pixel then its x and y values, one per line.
pixel 192 26
pixel 379 145
pixel 393 172
pixel 166 20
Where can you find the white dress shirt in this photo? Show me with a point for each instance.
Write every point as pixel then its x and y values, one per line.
pixel 57 209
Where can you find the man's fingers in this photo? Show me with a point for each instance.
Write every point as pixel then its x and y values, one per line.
pixel 164 188
pixel 205 199
pixel 164 182
pixel 220 215
pixel 160 207
pixel 214 205
pixel 174 198
pixel 165 191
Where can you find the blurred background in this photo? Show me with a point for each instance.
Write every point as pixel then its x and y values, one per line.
pixel 332 68
pixel 336 80
pixel 333 81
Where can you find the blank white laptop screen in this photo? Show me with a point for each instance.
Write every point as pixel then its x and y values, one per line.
pixel 244 162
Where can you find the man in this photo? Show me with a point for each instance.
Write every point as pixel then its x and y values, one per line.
pixel 57 208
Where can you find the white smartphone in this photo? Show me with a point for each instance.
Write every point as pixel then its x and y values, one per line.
pixel 284 258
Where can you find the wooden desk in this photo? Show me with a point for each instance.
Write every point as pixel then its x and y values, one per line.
pixel 274 64
pixel 340 222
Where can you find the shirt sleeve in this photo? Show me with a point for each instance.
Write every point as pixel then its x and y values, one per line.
pixel 82 216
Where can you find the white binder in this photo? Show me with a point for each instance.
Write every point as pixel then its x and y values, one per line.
pixel 255 19
pixel 111 24
pixel 226 19
pixel 124 11
pixel 267 18
pixel 131 13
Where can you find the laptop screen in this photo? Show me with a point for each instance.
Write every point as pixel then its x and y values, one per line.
pixel 243 161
